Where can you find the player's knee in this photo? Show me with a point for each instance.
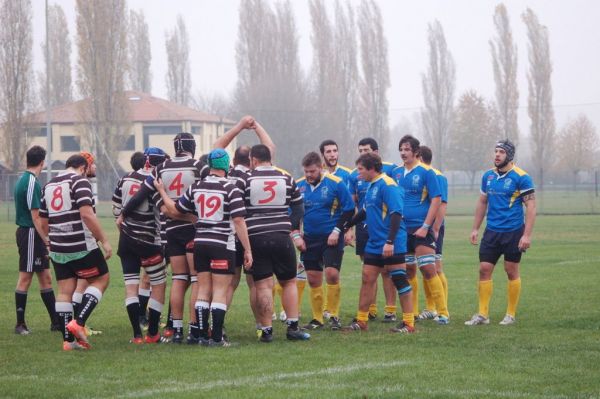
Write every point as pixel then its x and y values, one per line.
pixel 157 274
pixel 368 278
pixel 411 260
pixel 180 278
pixel 426 261
pixel 400 281
pixel 131 278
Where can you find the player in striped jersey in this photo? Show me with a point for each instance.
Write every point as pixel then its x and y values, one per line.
pixel 177 174
pixel 69 218
pixel 139 247
pixel 218 205
pixel 31 241
pixel 269 194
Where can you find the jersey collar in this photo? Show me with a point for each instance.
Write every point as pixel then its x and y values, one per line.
pixel 505 174
pixel 407 171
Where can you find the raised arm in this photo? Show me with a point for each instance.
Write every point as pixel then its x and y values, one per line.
pixel 247 122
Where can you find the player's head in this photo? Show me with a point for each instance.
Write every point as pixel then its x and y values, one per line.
pixel 137 160
pixel 184 143
pixel 313 166
pixel 329 151
pixel 425 154
pixel 368 144
pixel 409 149
pixel 242 156
pixel 78 163
pixel 36 156
pixel 504 153
pixel 218 159
pixel 259 154
pixel 153 156
pixel 91 163
pixel 369 166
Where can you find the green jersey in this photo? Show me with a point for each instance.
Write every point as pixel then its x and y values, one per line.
pixel 27 197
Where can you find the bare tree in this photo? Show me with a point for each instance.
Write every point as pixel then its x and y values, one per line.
pixel 102 48
pixel 473 136
pixel 504 61
pixel 580 138
pixel 213 103
pixel 59 62
pixel 540 109
pixel 438 92
pixel 16 77
pixel 179 81
pixel 140 53
pixel 376 75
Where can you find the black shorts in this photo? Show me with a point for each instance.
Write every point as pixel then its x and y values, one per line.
pixel 412 242
pixel 180 240
pixel 495 244
pixel 135 254
pixel 319 254
pixel 90 266
pixel 215 259
pixel 273 253
pixel 439 243
pixel 362 236
pixel 379 261
pixel 33 254
pixel 239 253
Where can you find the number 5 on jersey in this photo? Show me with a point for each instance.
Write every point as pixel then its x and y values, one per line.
pixel 267 192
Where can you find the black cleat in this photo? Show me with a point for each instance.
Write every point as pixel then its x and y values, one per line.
pixel 267 338
pixel 296 335
pixel 21 329
pixel 177 338
pixel 314 324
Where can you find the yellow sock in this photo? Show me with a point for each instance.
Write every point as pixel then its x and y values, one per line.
pixel 300 284
pixel 362 316
pixel 316 303
pixel 437 294
pixel 429 302
pixel 514 292
pixel 485 294
pixel 390 309
pixel 408 319
pixel 373 309
pixel 325 299
pixel 445 285
pixel 414 285
pixel 334 298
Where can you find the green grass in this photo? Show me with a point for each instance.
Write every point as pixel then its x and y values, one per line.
pixel 553 351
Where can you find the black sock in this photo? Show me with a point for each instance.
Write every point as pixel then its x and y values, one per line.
pixel 202 315
pixel 143 302
pixel 293 325
pixel 49 301
pixel 153 321
pixel 20 304
pixel 133 311
pixel 64 314
pixel 218 319
pixel 169 318
pixel 267 330
pixel 194 330
pixel 91 297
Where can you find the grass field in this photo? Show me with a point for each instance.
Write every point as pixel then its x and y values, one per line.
pixel 553 351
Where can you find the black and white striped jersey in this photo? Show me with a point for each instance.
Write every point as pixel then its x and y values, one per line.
pixel 268 193
pixel 141 223
pixel 61 200
pixel 216 201
pixel 238 175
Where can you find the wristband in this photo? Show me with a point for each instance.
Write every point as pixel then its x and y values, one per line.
pixel 426 226
pixel 389 242
pixel 295 235
pixel 336 230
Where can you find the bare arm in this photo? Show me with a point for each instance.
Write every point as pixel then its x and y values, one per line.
pixel 247 122
pixel 91 221
pixel 439 218
pixel 530 213
pixel 264 138
pixel 480 209
pixel 431 214
pixel 168 206
pixel 242 232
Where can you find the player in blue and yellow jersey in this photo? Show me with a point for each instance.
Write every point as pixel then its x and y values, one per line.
pixel 438 229
pixel 504 191
pixel 358 188
pixel 327 207
pixel 421 203
pixel 385 250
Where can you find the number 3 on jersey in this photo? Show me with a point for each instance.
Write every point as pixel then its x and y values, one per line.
pixel 267 192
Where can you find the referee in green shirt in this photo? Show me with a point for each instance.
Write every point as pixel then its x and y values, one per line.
pixel 33 255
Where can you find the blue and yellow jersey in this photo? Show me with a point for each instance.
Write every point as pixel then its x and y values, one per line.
pixel 342 172
pixel 505 198
pixel 420 185
pixel 324 204
pixel 383 197
pixel 443 183
pixel 358 187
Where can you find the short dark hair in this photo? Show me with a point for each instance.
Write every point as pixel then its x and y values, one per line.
pixel 312 158
pixel 203 159
pixel 137 160
pixel 426 154
pixel 260 152
pixel 412 141
pixel 76 161
pixel 242 156
pixel 370 141
pixel 370 161
pixel 35 156
pixel 326 143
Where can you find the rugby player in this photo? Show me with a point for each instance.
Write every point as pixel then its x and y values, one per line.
pixel 69 219
pixel 504 191
pixel 31 241
pixel 140 248
pixel 358 188
pixel 217 203
pixel 386 247
pixel 327 207
pixel 422 200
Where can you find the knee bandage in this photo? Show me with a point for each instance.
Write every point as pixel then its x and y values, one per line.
pixel 180 277
pixel 400 281
pixel 193 279
pixel 438 257
pixel 155 269
pixel 425 260
pixel 410 260
pixel 131 278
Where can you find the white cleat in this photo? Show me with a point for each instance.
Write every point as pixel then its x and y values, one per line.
pixel 508 320
pixel 476 320
pixel 282 316
pixel 426 315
